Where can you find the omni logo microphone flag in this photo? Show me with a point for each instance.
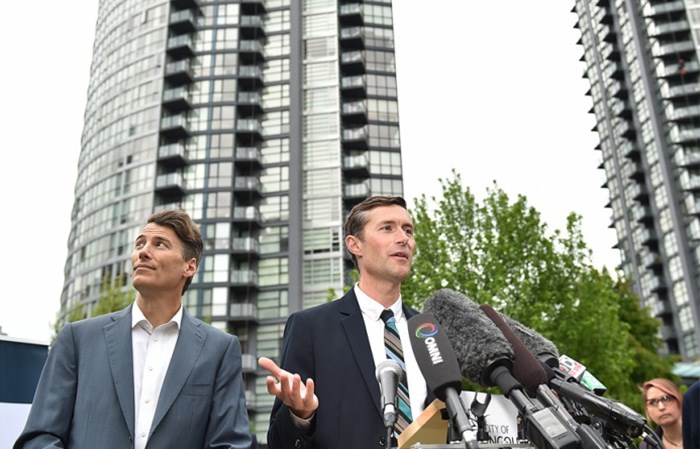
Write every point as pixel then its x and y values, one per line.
pixel 427 332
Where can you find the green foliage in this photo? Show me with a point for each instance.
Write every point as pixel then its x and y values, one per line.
pixel 500 252
pixel 112 298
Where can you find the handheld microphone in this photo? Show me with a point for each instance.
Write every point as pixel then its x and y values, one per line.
pixel 486 358
pixel 388 374
pixel 438 364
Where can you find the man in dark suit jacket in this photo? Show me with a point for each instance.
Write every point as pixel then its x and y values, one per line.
pixel 151 375
pixel 691 417
pixel 326 390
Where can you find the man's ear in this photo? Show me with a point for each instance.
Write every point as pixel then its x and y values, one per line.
pixel 354 245
pixel 191 268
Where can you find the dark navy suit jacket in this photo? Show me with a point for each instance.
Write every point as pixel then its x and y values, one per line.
pixel 329 344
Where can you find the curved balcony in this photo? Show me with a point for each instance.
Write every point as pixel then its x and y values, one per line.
pixel 353 86
pixel 356 138
pixel 179 72
pixel 170 184
pixel 177 99
pixel 180 47
pixel 174 126
pixel 172 155
pixel 181 22
pixel 250 155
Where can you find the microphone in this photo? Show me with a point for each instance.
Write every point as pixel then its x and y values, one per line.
pixel 478 348
pixel 564 378
pixel 389 374
pixel 486 358
pixel 538 345
pixel 536 376
pixel 578 371
pixel 526 369
pixel 438 363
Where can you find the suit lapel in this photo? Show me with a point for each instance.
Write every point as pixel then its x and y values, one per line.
pixel 187 349
pixel 354 325
pixel 119 353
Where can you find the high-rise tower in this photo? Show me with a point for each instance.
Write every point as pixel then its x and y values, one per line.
pixel 642 63
pixel 266 120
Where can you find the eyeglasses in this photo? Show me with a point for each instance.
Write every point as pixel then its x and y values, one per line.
pixel 665 400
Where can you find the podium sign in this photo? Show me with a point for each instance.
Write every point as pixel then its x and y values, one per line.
pixel 430 429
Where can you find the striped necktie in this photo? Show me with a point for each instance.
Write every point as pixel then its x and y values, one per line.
pixel 392 346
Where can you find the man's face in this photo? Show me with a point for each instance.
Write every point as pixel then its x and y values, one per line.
pixel 157 262
pixel 385 252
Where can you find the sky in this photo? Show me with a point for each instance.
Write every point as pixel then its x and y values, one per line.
pixel 491 89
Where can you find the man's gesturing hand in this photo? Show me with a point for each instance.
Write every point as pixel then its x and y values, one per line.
pixel 289 388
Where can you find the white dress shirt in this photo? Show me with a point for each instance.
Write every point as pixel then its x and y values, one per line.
pixel 152 351
pixel 371 311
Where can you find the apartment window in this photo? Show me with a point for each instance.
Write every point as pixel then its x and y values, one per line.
pixel 381 85
pixel 321 210
pixel 221 146
pixel 273 304
pixel 379 37
pixel 219 205
pixel 377 15
pixel 275 151
pixel 220 174
pixel 215 268
pixel 384 136
pixel 322 240
pixel 274 239
pixel 275 179
pixel 216 235
pixel 273 271
pixel 380 61
pixel 386 186
pixel 385 162
pixel 274 208
pixel 383 110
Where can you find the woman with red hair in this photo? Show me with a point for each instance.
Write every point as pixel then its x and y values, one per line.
pixel 663 404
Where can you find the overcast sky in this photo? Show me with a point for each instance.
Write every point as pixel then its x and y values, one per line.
pixel 492 89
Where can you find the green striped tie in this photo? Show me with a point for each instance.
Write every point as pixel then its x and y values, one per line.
pixel 392 346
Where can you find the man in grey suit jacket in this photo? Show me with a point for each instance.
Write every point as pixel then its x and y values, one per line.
pixel 149 376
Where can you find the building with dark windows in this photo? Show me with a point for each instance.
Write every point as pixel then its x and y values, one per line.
pixel 642 63
pixel 266 120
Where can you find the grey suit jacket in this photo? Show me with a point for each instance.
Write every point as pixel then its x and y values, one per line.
pixel 85 396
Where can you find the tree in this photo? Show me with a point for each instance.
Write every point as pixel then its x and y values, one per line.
pixel 113 297
pixel 501 253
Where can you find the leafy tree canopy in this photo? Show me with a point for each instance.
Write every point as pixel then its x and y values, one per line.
pixel 500 252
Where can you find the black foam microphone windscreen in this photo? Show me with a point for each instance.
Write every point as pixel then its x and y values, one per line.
pixel 526 368
pixel 543 348
pixel 479 346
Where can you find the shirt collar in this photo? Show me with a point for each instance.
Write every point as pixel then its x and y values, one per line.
pixel 372 308
pixel 138 318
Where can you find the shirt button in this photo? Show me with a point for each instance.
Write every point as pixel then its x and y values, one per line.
pixel 143 434
pixel 155 338
pixel 147 401
pixel 150 368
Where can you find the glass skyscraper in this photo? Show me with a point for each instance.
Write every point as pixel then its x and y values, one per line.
pixel 266 121
pixel 642 63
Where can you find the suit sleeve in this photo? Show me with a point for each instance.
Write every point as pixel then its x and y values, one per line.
pixel 228 418
pixel 297 357
pixel 50 416
pixel 691 413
